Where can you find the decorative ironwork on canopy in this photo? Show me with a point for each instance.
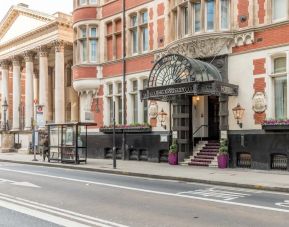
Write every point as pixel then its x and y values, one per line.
pixel 175 75
pixel 175 69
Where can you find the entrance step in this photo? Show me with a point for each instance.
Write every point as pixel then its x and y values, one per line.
pixel 197 149
pixel 207 156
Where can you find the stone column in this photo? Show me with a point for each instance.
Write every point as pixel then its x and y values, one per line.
pixel 36 85
pixel 59 83
pixel 74 106
pixel 5 73
pixel 43 80
pixel 50 95
pixel 16 94
pixel 28 56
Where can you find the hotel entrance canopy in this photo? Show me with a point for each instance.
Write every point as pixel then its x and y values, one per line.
pixel 175 74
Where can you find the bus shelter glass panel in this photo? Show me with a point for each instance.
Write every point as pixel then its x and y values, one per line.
pixel 54 143
pixel 82 143
pixel 68 143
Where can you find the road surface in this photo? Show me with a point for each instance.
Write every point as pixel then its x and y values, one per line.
pixel 45 196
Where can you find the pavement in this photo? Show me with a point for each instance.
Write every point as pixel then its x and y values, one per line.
pixel 243 178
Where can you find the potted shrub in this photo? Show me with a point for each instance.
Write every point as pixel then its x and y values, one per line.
pixel 173 155
pixel 223 155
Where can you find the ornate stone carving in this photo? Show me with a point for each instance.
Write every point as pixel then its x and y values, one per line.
pixel 244 38
pixel 59 45
pixel 5 64
pixel 43 51
pixel 28 56
pixel 197 47
pixel 259 103
pixel 15 61
pixel 153 109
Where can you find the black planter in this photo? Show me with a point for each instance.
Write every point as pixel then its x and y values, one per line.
pixel 127 130
pixel 275 127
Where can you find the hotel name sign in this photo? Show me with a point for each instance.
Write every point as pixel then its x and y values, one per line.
pixel 216 88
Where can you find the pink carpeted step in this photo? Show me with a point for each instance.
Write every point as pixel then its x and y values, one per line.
pixel 210 150
pixel 198 164
pixel 208 153
pixel 211 147
pixel 205 157
pixel 201 160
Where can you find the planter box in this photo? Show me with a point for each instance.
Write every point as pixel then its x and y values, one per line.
pixel 173 158
pixel 275 127
pixel 223 161
pixel 127 130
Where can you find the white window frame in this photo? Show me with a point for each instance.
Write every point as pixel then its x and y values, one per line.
pixel 206 17
pixel 194 17
pixel 184 16
pixel 82 2
pixel 270 80
pixel 220 16
pixel 279 19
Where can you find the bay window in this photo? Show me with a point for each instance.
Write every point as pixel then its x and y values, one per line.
pixel 225 14
pixel 279 9
pixel 83 50
pixel 93 44
pixel 86 44
pixel 210 14
pixel 197 16
pixel 87 2
pixel 185 20
pixel 189 17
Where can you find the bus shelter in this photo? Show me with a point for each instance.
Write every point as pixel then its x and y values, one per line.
pixel 68 142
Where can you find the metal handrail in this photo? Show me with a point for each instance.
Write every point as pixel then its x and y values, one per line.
pixel 198 129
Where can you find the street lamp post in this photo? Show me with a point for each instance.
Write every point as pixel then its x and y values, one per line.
pixel 113 139
pixel 5 108
pixel 34 133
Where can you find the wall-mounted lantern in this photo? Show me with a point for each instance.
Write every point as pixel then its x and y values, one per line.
pixel 238 112
pixel 162 116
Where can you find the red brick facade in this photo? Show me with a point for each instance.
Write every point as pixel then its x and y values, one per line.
pixel 259 86
pixel 161 9
pixel 259 66
pixel 259 118
pixel 269 37
pixel 261 11
pixel 86 13
pixel 84 72
pixel 243 11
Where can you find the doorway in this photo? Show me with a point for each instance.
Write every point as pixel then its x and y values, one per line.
pixel 213 118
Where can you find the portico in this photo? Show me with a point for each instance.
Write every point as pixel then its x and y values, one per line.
pixel 35 68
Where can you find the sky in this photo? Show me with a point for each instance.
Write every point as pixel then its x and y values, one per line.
pixel 46 6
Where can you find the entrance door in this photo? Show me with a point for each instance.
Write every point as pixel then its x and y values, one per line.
pixel 213 118
pixel 182 123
